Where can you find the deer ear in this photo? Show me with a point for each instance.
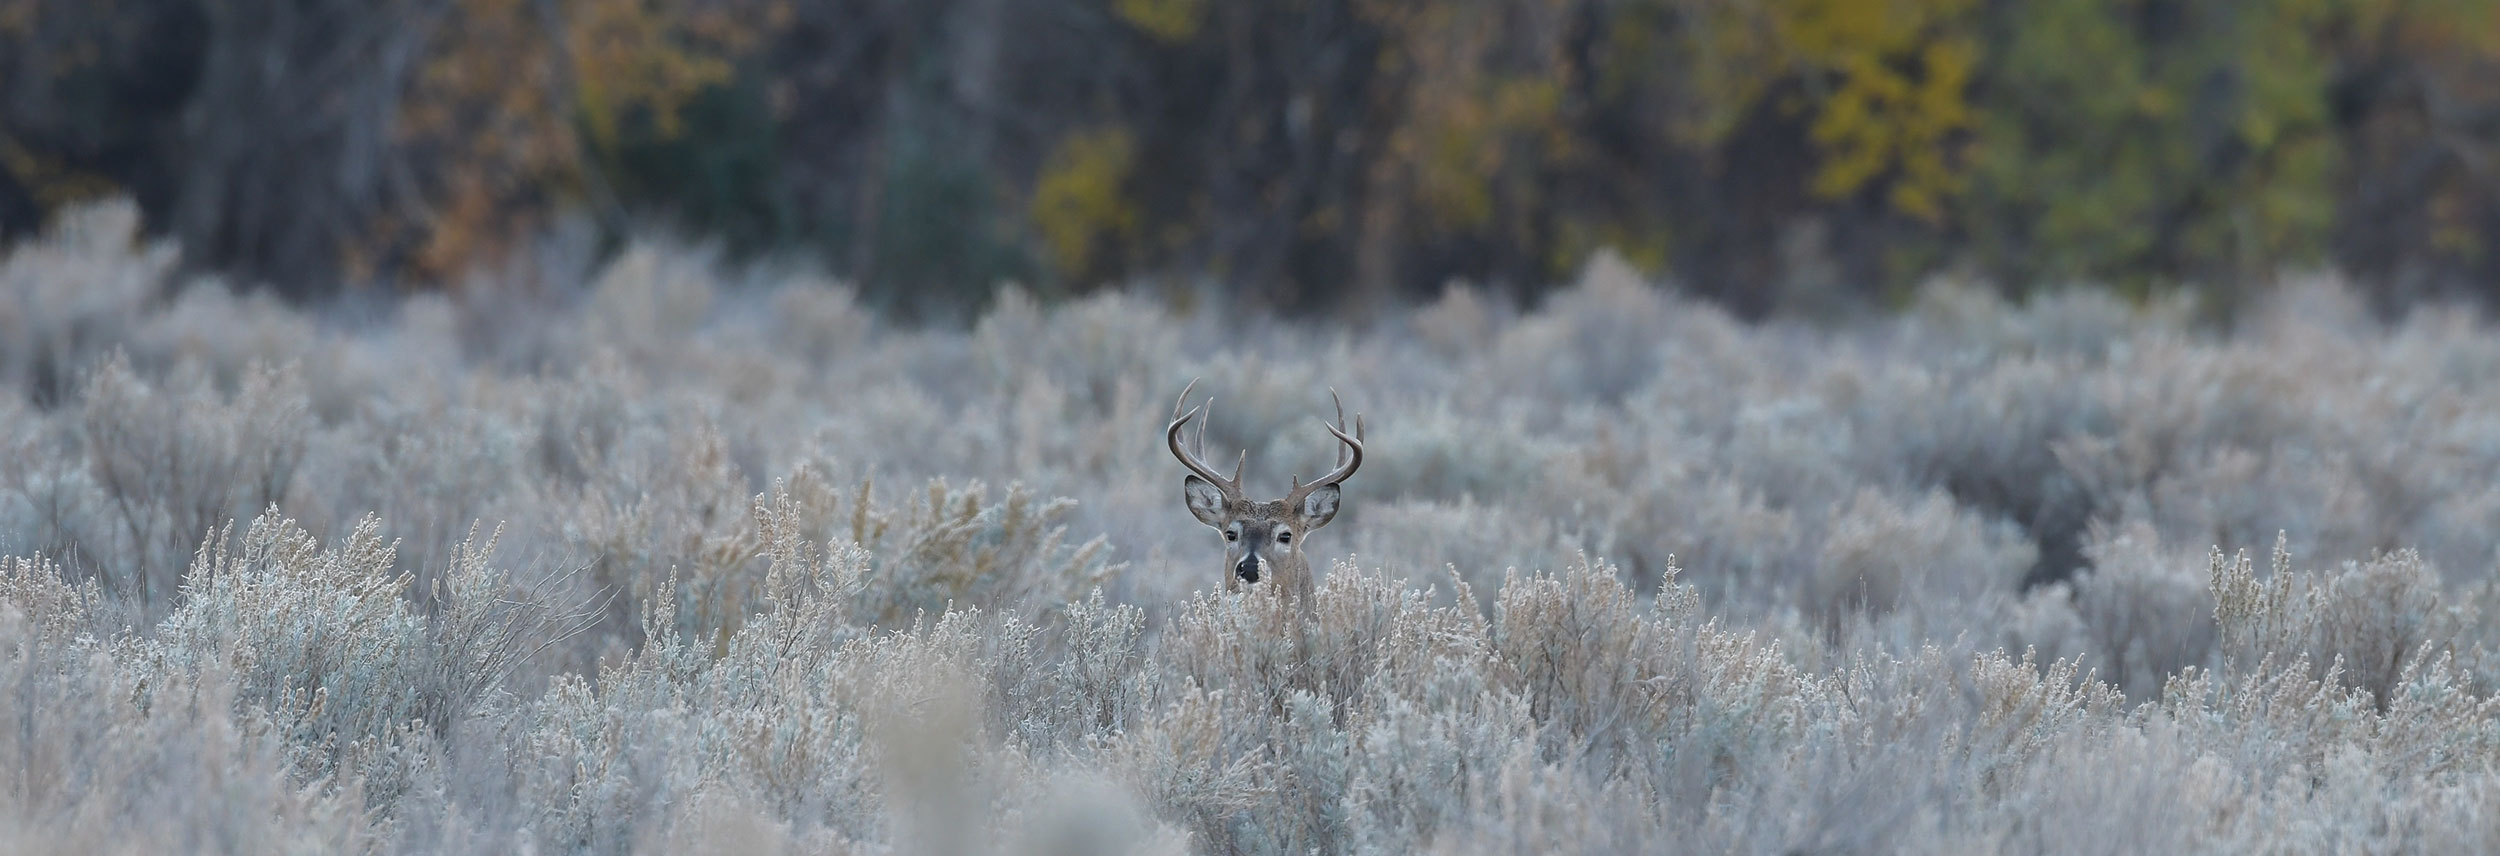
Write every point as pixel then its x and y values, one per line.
pixel 1205 500
pixel 1319 508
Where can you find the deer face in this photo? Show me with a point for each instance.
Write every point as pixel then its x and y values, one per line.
pixel 1263 540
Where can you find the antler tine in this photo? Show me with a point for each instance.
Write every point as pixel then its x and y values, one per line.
pixel 1349 455
pixel 1184 399
pixel 1357 450
pixel 1209 413
pixel 1340 403
pixel 1172 438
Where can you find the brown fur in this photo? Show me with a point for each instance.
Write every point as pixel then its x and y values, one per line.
pixel 1264 541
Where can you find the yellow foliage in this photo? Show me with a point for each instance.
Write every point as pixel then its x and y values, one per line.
pixel 490 102
pixel 1902 69
pixel 1482 117
pixel 483 102
pixel 51 182
pixel 1169 21
pixel 17 17
pixel 1465 148
pixel 648 54
pixel 1885 86
pixel 1080 199
pixel 1644 247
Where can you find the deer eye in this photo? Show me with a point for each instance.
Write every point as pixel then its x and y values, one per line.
pixel 1230 535
pixel 1284 537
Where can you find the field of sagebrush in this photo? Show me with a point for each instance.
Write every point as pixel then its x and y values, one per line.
pixel 678 557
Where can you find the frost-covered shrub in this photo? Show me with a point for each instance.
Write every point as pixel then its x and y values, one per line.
pixel 807 723
pixel 1091 348
pixel 181 459
pixel 327 647
pixel 319 639
pixel 1437 453
pixel 2370 623
pixel 75 294
pixel 811 582
pixel 98 770
pixel 1599 339
pixel 2144 610
pixel 1478 542
pixel 1882 554
pixel 955 545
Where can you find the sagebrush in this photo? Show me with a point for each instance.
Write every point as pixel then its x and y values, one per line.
pixel 1618 574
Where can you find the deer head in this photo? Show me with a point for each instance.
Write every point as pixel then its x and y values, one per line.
pixel 1262 540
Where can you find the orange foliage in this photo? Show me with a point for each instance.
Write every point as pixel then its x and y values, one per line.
pixel 506 114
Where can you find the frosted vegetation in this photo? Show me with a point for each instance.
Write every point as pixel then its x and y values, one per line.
pixel 682 559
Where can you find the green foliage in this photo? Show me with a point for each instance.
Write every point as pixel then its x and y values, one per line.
pixel 2113 152
pixel 713 174
pixel 941 236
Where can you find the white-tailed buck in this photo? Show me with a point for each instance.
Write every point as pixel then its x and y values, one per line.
pixel 1262 540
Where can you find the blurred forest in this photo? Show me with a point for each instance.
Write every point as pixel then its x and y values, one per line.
pixel 1321 155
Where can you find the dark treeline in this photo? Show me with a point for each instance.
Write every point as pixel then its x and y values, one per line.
pixel 1324 155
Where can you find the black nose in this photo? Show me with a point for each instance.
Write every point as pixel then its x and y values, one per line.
pixel 1248 570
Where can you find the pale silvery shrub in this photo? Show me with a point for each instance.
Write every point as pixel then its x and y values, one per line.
pixel 1884 554
pixel 1090 347
pixel 318 639
pixel 181 459
pixel 2144 609
pixel 1476 541
pixel 73 295
pixel 2372 622
pixel 322 641
pixel 107 758
pixel 1598 339
pixel 826 630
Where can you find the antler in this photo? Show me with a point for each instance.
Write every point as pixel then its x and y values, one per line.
pixel 1349 454
pixel 1172 437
